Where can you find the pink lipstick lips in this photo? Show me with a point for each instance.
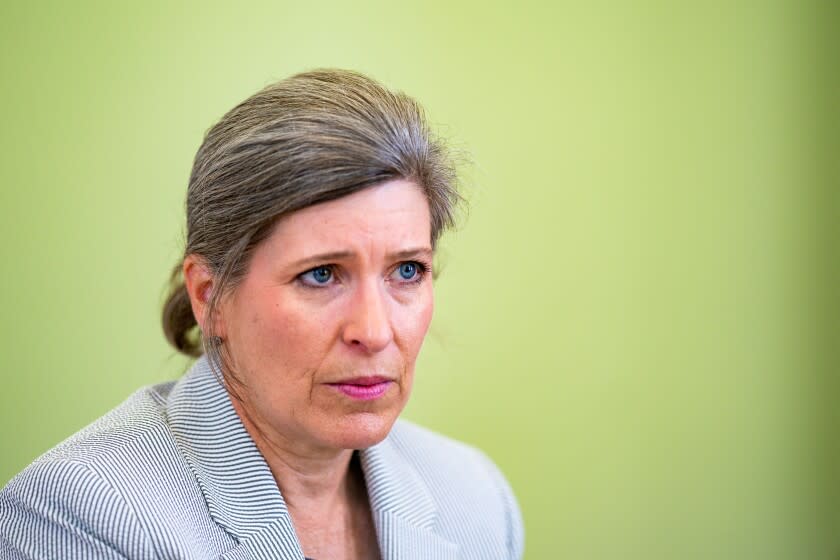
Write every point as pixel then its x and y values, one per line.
pixel 363 388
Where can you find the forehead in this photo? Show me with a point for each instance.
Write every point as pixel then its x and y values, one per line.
pixel 388 216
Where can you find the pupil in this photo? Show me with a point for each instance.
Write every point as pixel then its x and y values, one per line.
pixel 407 271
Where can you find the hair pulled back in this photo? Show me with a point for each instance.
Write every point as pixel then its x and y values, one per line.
pixel 310 138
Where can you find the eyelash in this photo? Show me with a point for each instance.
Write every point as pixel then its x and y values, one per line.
pixel 422 270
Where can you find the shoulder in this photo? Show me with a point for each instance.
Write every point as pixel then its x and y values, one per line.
pixel 437 453
pixel 73 500
pixel 463 481
pixel 123 437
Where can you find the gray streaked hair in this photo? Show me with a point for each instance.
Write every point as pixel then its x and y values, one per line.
pixel 309 138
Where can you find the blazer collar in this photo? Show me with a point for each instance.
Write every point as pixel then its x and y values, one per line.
pixel 243 498
pixel 404 512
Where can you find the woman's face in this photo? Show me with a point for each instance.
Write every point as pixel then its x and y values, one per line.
pixel 325 327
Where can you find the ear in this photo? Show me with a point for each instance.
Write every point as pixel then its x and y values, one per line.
pixel 199 281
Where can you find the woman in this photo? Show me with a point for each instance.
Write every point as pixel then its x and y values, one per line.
pixel 306 289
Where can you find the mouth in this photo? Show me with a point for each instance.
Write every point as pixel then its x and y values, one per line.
pixel 363 388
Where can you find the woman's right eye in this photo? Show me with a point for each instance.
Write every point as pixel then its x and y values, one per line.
pixel 317 277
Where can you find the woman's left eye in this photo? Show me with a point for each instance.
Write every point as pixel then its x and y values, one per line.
pixel 409 271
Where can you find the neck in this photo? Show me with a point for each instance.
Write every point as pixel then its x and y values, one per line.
pixel 314 480
pixel 314 484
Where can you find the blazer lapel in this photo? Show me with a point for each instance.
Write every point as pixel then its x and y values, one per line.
pixel 241 494
pixel 404 513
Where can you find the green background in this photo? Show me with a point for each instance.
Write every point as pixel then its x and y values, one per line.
pixel 638 318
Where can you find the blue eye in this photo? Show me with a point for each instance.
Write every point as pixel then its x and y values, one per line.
pixel 318 276
pixel 408 270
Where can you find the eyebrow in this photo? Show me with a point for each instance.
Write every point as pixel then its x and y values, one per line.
pixel 322 258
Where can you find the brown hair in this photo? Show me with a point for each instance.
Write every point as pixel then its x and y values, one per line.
pixel 310 138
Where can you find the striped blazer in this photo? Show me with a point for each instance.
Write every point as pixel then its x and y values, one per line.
pixel 172 474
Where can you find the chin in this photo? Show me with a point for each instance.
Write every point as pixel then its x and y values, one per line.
pixel 361 430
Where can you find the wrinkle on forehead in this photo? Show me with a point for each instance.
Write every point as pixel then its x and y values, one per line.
pixel 386 218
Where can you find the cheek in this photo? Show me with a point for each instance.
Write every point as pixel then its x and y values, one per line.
pixel 414 324
pixel 290 335
pixel 426 318
pixel 279 338
pixel 413 332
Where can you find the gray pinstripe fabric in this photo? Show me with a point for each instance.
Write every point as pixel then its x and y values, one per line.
pixel 172 473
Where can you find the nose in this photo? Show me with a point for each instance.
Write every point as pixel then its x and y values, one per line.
pixel 368 326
